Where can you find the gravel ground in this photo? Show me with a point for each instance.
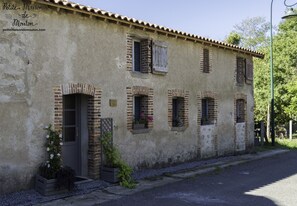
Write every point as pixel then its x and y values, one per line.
pixel 31 197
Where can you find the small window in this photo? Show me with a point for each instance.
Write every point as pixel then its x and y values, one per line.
pixel 240 111
pixel 207 115
pixel 240 70
pixel 136 56
pixel 205 60
pixel 178 112
pixel 140 110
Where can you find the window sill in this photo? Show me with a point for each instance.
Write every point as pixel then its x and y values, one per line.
pixel 178 129
pixel 239 84
pixel 208 124
pixel 141 131
pixel 139 74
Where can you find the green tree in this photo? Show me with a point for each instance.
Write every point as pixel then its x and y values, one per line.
pixel 253 32
pixel 285 67
pixel 233 38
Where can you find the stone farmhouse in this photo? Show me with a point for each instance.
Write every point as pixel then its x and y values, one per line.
pixel 172 96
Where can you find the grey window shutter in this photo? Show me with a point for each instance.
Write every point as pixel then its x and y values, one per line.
pixel 240 70
pixel 205 60
pixel 249 71
pixel 160 57
pixel 240 113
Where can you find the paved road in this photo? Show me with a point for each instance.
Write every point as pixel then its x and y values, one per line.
pixel 271 181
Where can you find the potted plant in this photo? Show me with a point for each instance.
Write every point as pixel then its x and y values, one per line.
pixel 52 177
pixel 142 122
pixel 114 169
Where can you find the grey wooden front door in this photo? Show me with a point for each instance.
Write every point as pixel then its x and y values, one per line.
pixel 75 133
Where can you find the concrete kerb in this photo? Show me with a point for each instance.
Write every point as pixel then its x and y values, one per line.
pixel 116 192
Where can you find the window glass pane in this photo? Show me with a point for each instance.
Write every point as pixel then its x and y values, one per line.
pixel 178 112
pixel 204 109
pixel 69 101
pixel 69 118
pixel 136 56
pixel 137 108
pixel 69 134
pixel 174 112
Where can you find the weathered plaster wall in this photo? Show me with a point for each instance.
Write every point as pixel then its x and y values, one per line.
pixel 77 49
pixel 240 136
pixel 208 141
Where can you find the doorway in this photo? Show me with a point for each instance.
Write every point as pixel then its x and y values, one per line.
pixel 75 133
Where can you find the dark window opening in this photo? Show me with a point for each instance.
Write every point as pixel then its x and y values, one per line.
pixel 140 111
pixel 207 113
pixel 136 56
pixel 240 111
pixel 178 112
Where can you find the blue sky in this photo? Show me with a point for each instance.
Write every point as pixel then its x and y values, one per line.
pixel 209 18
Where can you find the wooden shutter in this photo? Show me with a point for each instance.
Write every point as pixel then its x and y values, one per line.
pixel 240 113
pixel 249 71
pixel 160 57
pixel 145 50
pixel 205 60
pixel 240 70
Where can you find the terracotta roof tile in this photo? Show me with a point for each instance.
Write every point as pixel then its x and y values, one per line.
pixel 69 4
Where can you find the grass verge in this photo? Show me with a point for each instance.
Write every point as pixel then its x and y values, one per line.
pixel 279 144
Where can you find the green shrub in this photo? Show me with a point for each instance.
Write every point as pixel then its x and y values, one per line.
pixel 113 159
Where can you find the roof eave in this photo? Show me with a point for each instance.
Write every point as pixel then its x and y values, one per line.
pixel 118 19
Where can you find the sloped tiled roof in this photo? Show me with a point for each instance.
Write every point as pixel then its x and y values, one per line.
pixel 124 20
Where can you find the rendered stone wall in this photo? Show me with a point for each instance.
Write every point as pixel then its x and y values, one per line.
pixel 77 49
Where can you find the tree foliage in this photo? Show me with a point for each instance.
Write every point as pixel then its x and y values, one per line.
pixel 233 38
pixel 253 32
